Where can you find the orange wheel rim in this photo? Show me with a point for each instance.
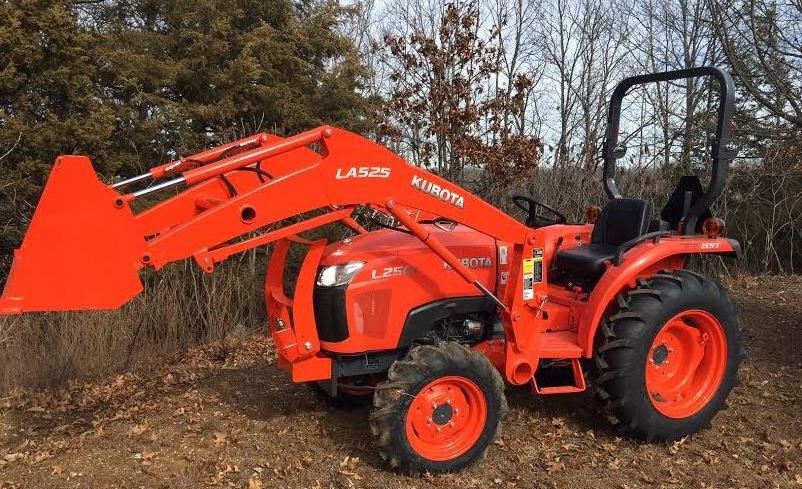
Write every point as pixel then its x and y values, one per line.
pixel 686 363
pixel 446 418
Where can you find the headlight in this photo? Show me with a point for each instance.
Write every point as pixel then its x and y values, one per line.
pixel 335 275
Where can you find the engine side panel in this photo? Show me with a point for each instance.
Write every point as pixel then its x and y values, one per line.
pixel 400 275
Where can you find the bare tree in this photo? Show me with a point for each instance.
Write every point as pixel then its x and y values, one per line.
pixel 763 43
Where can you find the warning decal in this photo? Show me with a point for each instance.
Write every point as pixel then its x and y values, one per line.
pixel 529 279
pixel 529 266
pixel 538 253
pixel 532 273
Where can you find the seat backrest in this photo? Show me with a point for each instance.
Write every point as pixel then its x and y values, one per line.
pixel 621 220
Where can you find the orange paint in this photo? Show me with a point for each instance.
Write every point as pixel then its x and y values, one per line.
pixel 686 363
pixel 446 418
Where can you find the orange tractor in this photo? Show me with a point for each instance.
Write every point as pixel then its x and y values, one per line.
pixel 430 315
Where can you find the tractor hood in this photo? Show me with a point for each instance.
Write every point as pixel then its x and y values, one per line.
pixel 463 241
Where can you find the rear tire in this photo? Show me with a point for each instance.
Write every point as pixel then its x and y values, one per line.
pixel 669 356
pixel 438 410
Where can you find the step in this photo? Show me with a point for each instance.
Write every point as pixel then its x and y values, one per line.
pixel 559 344
pixel 578 385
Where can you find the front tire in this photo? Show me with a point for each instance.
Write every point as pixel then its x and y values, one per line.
pixel 669 356
pixel 438 410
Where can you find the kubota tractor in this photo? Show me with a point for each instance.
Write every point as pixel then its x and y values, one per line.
pixel 433 314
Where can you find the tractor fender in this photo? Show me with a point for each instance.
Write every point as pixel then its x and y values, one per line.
pixel 644 260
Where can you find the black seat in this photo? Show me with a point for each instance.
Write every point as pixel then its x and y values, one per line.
pixel 620 221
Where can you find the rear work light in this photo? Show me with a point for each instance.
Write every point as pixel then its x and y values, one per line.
pixel 713 227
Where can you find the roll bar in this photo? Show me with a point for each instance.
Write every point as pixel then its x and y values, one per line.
pixel 721 150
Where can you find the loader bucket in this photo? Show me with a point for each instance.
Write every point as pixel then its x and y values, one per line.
pixel 80 251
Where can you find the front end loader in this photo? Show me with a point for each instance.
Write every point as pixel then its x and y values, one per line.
pixel 431 315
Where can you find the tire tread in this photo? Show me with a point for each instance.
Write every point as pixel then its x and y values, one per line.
pixel 624 333
pixel 422 364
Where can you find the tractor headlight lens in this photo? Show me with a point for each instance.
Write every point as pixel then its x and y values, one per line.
pixel 334 275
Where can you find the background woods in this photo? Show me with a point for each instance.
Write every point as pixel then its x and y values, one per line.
pixel 499 95
pixel 135 83
pixel 511 94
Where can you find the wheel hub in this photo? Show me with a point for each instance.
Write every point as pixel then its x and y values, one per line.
pixel 442 414
pixel 660 354
pixel 686 363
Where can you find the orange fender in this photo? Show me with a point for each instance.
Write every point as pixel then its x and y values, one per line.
pixel 644 260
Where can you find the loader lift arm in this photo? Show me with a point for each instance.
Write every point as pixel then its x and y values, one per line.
pixel 350 171
pixel 222 203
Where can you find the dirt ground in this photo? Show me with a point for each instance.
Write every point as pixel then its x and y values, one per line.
pixel 225 416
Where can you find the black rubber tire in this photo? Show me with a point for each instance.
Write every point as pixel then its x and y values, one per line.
pixel 627 336
pixel 406 377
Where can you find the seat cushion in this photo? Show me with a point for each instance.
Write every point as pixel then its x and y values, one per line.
pixel 584 260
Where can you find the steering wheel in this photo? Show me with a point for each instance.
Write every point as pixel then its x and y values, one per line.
pixel 534 211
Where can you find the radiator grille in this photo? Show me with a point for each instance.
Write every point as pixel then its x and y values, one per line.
pixel 330 316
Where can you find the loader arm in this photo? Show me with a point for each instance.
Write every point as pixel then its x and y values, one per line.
pixel 351 171
pixel 233 202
